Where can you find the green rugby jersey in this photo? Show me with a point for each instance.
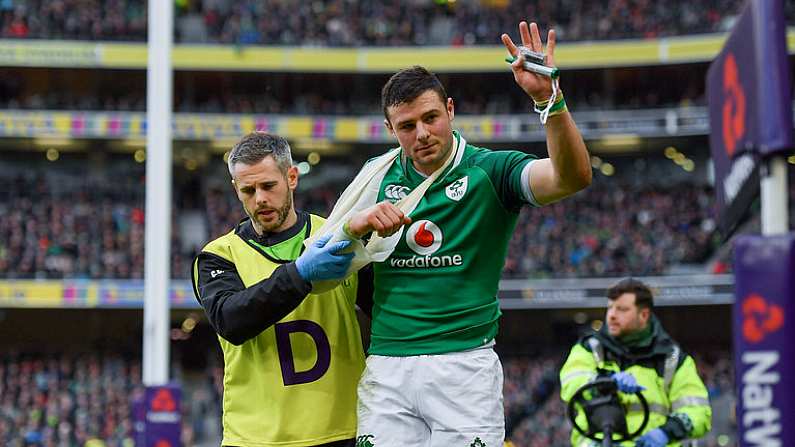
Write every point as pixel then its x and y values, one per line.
pixel 437 292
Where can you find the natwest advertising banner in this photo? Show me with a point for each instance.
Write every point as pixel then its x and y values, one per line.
pixel 163 417
pixel 750 105
pixel 764 328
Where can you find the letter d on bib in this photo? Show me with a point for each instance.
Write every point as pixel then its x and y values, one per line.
pixel 314 330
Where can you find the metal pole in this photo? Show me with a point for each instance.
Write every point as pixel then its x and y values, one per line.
pixel 157 269
pixel 607 440
pixel 775 212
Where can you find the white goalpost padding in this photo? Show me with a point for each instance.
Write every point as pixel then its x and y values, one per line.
pixel 157 265
pixel 775 197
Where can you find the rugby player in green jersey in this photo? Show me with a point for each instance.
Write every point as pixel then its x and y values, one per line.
pixel 432 377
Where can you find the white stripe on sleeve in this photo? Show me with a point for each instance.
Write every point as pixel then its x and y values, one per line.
pixel 526 191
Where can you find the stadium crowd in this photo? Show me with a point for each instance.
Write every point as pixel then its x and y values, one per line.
pixel 52 400
pixel 610 230
pixel 78 227
pixel 70 399
pixel 345 94
pixel 59 225
pixel 89 230
pixel 365 23
pixel 82 399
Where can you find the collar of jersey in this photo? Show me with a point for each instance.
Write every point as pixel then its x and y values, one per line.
pixel 270 244
pixel 415 177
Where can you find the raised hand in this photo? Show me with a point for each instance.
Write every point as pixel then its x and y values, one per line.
pixel 539 87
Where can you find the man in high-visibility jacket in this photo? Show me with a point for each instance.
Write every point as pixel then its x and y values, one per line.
pixel 634 349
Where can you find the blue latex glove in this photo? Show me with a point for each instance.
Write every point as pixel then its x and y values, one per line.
pixel 626 382
pixel 322 262
pixel 654 438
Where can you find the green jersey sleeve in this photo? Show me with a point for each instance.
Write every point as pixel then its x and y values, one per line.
pixel 507 172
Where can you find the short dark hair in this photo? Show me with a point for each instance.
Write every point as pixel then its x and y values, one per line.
pixel 644 299
pixel 407 84
pixel 257 145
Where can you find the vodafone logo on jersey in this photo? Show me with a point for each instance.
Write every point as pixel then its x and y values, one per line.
pixel 424 237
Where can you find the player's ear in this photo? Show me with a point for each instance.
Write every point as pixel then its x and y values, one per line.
pixel 292 177
pixel 450 108
pixel 388 126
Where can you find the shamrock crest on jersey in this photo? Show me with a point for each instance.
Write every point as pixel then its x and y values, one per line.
pixel 457 189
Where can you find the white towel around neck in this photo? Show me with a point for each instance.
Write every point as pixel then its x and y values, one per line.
pixel 363 193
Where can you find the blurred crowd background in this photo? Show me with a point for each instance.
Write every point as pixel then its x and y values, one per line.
pixel 70 226
pixel 81 215
pixel 86 399
pixel 62 224
pixel 356 23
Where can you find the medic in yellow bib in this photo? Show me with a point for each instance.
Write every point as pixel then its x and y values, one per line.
pixel 292 358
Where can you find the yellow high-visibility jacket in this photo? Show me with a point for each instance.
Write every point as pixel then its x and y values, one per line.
pixel 676 395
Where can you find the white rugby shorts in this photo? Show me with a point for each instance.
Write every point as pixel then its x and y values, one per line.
pixel 443 400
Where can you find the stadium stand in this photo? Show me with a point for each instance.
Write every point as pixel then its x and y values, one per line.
pixel 67 399
pixel 68 225
pixel 60 398
pixel 343 94
pixel 609 231
pixel 346 23
pixel 50 221
pixel 80 219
